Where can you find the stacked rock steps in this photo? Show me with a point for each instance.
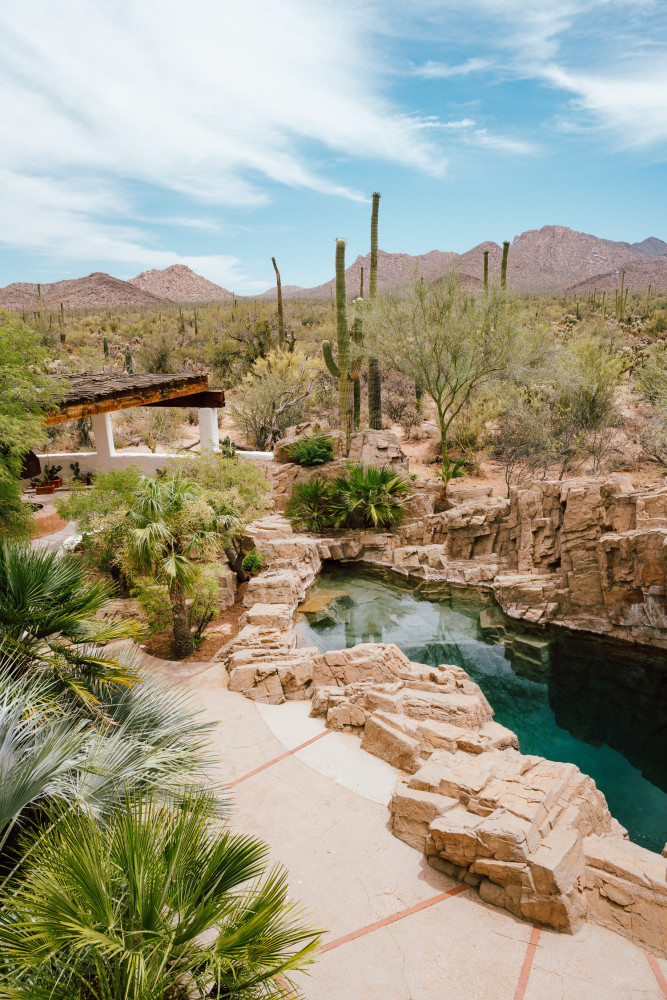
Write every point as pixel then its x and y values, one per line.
pixel 531 835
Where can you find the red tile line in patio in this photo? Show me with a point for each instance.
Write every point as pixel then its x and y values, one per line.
pixel 527 962
pixel 369 928
pixel 657 972
pixel 276 760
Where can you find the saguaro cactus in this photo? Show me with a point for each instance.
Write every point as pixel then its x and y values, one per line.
pixel 503 266
pixel 41 304
pixel 341 370
pixel 129 367
pixel 281 317
pixel 486 270
pixel 374 378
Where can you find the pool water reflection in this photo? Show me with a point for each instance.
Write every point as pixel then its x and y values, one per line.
pixel 600 705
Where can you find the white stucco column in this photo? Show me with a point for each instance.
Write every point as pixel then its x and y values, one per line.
pixel 103 436
pixel 208 428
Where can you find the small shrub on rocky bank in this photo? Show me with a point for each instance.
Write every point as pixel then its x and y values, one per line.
pixel 315 450
pixel 368 497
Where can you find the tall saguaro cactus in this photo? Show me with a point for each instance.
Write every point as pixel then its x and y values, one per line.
pixel 486 270
pixel 503 266
pixel 281 315
pixel 374 378
pixel 341 370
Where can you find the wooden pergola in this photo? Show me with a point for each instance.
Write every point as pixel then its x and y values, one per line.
pixel 88 394
pixel 97 395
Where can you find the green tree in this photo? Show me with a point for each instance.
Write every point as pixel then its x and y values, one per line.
pixel 451 343
pixel 25 393
pixel 172 522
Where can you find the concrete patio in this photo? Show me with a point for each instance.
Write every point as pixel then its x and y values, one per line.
pixel 395 928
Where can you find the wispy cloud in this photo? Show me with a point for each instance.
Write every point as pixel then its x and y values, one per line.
pixel 213 101
pixel 439 71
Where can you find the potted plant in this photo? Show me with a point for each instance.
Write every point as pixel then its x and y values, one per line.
pixel 79 476
pixel 43 485
pixel 50 475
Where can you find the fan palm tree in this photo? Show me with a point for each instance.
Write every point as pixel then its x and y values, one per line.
pixel 173 522
pixel 369 497
pixel 162 902
pixel 49 623
pixel 145 737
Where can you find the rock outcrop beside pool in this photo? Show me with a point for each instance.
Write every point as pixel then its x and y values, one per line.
pixel 530 835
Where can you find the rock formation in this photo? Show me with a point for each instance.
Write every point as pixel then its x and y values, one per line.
pixel 532 836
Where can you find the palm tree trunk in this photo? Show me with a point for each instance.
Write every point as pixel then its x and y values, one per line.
pixel 180 621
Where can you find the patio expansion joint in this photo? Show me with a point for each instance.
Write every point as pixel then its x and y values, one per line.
pixel 657 972
pixel 276 760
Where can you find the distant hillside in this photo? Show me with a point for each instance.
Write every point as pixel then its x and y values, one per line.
pixel 96 290
pixel 180 284
pixel 550 259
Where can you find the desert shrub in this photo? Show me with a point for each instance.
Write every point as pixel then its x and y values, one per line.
pixel 273 395
pixel 369 497
pixel 309 507
pixel 253 562
pixel 653 438
pixel 314 450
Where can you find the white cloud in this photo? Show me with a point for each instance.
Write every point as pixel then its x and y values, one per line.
pixel 632 107
pixel 502 143
pixel 211 99
pixel 437 71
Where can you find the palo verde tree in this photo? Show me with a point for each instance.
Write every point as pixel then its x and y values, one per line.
pixel 374 377
pixel 451 343
pixel 343 370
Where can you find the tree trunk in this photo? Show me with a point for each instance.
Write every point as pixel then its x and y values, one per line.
pixel 180 622
pixel 235 557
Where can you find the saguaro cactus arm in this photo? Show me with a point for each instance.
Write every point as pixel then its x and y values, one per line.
pixel 329 359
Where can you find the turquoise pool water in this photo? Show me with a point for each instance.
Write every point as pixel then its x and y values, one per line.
pixel 597 704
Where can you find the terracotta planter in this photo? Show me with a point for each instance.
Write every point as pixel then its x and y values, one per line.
pixel 57 482
pixel 48 488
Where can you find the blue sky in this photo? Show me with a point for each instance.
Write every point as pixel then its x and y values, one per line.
pixel 142 133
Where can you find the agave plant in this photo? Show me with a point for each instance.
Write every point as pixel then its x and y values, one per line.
pixel 49 623
pixel 162 901
pixel 369 497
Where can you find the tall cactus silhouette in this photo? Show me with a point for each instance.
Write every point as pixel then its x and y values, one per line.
pixel 41 305
pixel 341 370
pixel 374 377
pixel 486 270
pixel 281 315
pixel 503 266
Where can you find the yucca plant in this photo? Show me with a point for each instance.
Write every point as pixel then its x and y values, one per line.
pixel 160 902
pixel 369 497
pixel 309 507
pixel 49 621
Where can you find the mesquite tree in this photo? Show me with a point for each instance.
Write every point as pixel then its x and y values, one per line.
pixel 374 377
pixel 343 370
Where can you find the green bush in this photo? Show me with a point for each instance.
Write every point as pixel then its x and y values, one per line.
pixel 253 562
pixel 315 450
pixel 368 497
pixel 309 508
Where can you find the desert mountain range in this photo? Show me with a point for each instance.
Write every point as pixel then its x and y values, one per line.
pixel 551 259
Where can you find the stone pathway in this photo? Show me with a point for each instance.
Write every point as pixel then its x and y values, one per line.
pixel 395 928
